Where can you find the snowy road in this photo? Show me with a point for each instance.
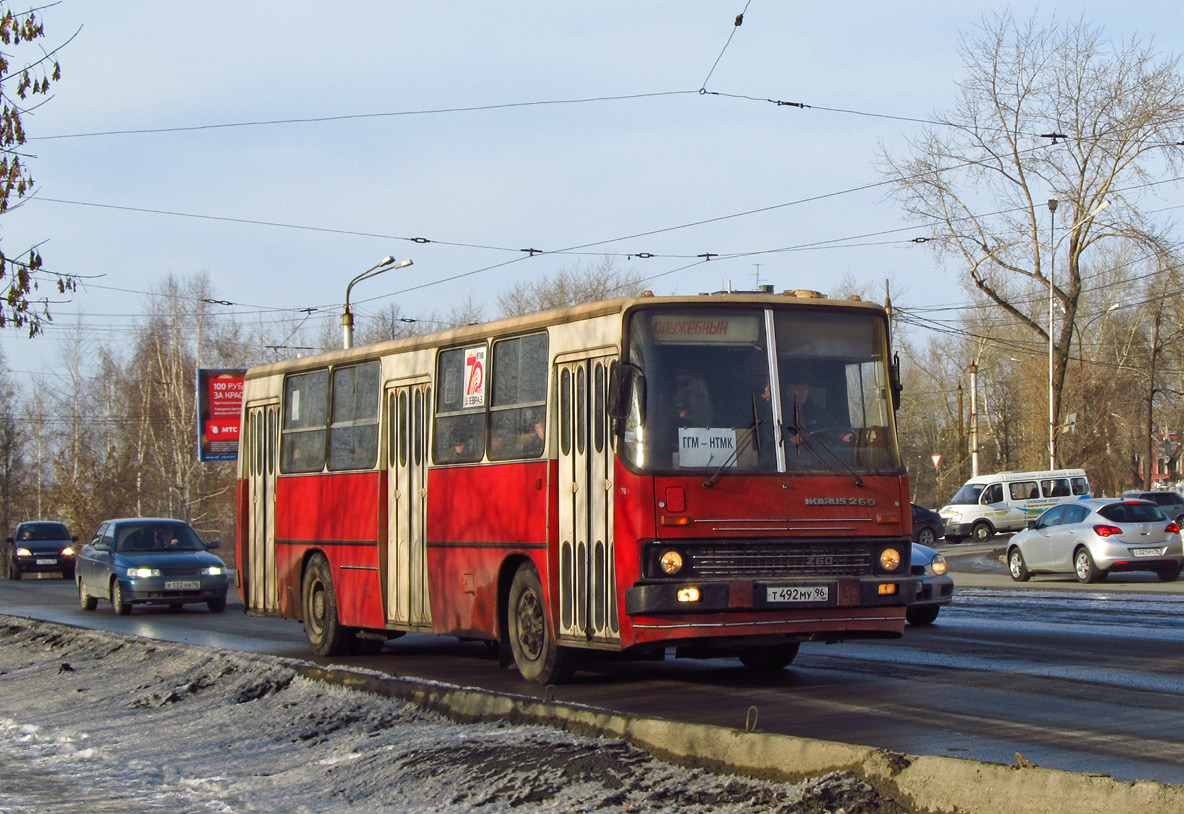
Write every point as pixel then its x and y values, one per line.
pixel 98 723
pixel 1082 678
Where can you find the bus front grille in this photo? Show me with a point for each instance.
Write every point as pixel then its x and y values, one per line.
pixel 763 560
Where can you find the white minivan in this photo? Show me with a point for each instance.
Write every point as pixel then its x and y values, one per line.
pixel 1007 501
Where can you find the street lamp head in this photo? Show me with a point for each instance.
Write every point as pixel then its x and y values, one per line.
pixel 347 321
pixel 1052 204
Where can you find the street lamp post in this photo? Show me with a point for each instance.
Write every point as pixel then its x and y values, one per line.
pixel 1052 259
pixel 347 316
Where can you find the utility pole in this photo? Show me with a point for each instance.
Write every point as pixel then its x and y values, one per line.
pixel 973 420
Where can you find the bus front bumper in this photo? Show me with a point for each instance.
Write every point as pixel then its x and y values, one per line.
pixel 771 595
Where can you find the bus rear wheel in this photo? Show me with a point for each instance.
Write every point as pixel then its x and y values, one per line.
pixel 324 630
pixel 532 641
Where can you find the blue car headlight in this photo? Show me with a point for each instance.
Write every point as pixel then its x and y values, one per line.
pixel 139 573
pixel 213 571
pixel 937 566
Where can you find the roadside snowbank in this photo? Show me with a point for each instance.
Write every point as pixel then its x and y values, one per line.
pixel 106 724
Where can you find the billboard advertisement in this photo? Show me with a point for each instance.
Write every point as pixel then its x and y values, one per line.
pixel 219 409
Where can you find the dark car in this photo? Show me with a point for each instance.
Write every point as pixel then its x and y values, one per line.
pixel 157 561
pixel 1170 503
pixel 935 587
pixel 928 527
pixel 39 546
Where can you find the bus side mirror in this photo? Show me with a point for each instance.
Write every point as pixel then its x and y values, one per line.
pixel 623 380
pixel 894 375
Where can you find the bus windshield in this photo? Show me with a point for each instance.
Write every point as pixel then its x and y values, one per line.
pixel 782 389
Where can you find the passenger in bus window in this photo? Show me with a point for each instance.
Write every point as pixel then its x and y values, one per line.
pixel 804 411
pixel 519 437
pixel 692 402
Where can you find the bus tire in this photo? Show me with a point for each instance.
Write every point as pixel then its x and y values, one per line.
pixel 769 658
pixel 324 630
pixel 538 657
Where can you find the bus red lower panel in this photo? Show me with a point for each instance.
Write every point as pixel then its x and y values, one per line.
pixel 339 516
pixel 478 516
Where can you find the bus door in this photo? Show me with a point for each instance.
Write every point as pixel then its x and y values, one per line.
pixel 262 445
pixel 406 409
pixel 587 574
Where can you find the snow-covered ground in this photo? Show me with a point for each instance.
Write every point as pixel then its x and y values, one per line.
pixel 104 724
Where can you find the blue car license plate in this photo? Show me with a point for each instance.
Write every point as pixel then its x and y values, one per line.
pixel 182 585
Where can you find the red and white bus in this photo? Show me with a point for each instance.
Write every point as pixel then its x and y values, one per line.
pixel 716 474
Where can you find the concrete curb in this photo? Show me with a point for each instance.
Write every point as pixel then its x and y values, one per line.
pixel 921 784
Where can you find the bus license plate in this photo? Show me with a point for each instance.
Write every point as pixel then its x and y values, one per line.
pixel 810 593
pixel 182 585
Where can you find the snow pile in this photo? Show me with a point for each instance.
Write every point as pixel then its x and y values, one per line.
pixel 95 722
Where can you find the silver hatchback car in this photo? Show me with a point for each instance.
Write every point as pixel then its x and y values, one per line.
pixel 1095 537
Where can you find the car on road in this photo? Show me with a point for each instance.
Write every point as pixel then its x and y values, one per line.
pixel 39 546
pixel 935 588
pixel 1172 503
pixel 1096 537
pixel 150 561
pixel 928 527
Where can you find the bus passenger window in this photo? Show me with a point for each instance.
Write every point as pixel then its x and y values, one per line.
pixel 518 413
pixel 353 433
pixel 459 435
pixel 306 415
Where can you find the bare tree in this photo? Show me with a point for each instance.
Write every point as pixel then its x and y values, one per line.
pixel 568 286
pixel 1045 111
pixel 14 467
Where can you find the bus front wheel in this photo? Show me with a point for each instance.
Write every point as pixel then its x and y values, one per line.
pixel 532 642
pixel 324 630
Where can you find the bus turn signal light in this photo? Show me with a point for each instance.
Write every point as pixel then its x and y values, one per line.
pixel 887 589
pixel 688 594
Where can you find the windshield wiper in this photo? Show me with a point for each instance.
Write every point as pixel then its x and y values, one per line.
pixel 751 436
pixel 817 446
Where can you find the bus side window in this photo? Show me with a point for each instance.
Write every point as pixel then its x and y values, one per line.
pixel 306 418
pixel 353 431
pixel 1080 486
pixel 518 414
pixel 459 435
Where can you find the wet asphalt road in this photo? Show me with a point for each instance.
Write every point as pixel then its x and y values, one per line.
pixel 1083 678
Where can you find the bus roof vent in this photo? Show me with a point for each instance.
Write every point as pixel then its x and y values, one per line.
pixel 805 294
pixel 646 293
pixel 855 298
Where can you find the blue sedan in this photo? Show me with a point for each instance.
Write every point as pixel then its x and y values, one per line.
pixel 155 561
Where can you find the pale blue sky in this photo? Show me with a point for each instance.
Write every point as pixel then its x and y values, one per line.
pixel 344 192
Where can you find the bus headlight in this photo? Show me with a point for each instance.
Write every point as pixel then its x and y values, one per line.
pixel 670 562
pixel 890 559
